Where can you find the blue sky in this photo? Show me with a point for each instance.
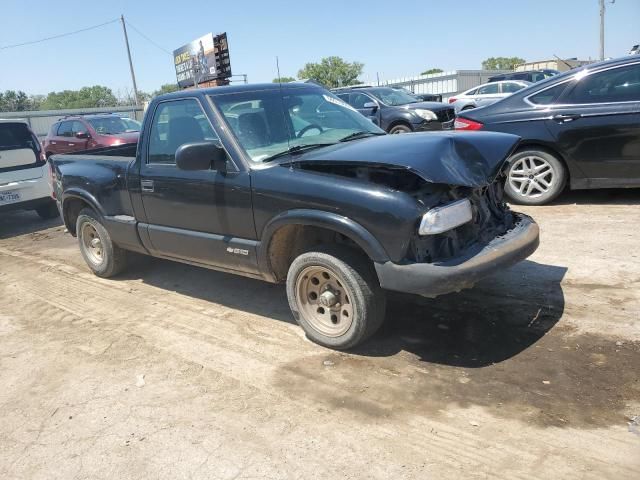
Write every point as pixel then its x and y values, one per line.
pixel 392 38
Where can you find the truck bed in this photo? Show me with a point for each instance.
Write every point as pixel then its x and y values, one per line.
pixel 127 150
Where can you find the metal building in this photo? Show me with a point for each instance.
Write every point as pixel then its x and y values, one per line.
pixel 446 84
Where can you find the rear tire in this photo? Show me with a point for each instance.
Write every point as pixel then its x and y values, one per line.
pixel 402 128
pixel 48 211
pixel 534 177
pixel 335 296
pixel 103 257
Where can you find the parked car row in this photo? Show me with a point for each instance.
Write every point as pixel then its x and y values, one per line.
pixel 85 132
pixel 24 177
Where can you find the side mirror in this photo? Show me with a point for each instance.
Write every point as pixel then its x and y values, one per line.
pixel 371 105
pixel 201 156
pixel 83 135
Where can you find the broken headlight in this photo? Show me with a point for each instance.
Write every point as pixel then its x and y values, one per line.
pixel 443 218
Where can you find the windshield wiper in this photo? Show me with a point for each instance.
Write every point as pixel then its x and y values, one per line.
pixel 296 149
pixel 362 134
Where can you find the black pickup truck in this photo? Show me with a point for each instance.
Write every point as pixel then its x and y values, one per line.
pixel 287 183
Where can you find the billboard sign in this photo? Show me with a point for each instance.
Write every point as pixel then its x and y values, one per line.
pixel 204 59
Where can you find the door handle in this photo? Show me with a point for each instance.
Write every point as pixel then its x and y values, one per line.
pixel 564 118
pixel 147 185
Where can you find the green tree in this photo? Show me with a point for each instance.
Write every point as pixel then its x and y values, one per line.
pixel 166 88
pixel 502 63
pixel 86 97
pixel 36 102
pixel 332 72
pixel 432 70
pixel 127 98
pixel 14 101
pixel 284 80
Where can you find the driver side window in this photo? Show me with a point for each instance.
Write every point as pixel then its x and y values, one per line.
pixel 359 99
pixel 615 85
pixel 488 89
pixel 174 124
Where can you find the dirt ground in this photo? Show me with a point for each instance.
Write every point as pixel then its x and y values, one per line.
pixel 172 371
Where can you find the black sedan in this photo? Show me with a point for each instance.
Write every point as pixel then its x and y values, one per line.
pixel 580 128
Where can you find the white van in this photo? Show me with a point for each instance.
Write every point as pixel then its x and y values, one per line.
pixel 24 176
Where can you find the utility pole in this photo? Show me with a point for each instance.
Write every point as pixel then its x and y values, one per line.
pixel 602 12
pixel 133 75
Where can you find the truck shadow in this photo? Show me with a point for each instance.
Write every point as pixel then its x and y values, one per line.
pixel 499 318
pixel 494 321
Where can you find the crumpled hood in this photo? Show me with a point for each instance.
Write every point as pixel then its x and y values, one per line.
pixel 471 159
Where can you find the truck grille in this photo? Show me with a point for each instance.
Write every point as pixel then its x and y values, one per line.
pixel 491 218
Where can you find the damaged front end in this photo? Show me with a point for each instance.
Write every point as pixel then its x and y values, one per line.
pixel 466 229
pixel 490 218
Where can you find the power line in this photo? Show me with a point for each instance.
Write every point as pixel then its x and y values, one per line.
pixel 5 47
pixel 148 39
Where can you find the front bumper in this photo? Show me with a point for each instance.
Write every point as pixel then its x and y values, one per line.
pixel 455 274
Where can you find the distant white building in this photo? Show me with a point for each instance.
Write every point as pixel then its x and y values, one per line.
pixel 446 84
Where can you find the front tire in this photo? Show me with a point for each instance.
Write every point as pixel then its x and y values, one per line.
pixel 48 211
pixel 402 128
pixel 103 257
pixel 534 177
pixel 335 296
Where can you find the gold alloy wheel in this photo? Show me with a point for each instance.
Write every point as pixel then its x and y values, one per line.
pixel 324 302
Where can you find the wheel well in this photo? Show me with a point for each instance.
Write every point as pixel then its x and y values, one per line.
pixel 400 122
pixel 70 211
pixel 289 241
pixel 550 151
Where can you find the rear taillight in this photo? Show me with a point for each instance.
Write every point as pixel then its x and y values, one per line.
pixel 466 124
pixel 452 99
pixel 52 178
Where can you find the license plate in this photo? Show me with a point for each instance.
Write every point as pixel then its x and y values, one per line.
pixel 9 197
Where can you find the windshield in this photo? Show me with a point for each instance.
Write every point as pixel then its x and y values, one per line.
pixel 268 123
pixel 393 97
pixel 132 125
pixel 114 125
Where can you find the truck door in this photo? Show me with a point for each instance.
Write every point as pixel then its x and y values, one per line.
pixel 200 216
